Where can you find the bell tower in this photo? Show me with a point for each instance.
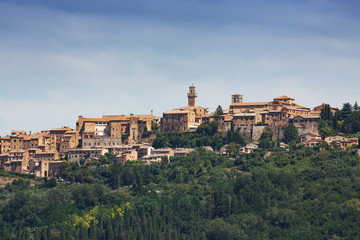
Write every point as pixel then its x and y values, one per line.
pixel 192 95
pixel 236 98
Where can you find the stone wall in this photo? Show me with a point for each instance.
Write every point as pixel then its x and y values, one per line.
pixel 250 132
pixel 100 141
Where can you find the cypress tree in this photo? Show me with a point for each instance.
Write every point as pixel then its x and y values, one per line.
pixel 44 234
pixel 93 231
pixel 109 231
pixel 83 234
pixel 37 234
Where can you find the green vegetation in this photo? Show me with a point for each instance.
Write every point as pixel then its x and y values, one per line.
pixel 303 194
pixel 347 120
pixel 205 135
pixel 291 134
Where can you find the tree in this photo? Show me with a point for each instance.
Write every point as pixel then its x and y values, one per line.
pixel 352 123
pixel 326 114
pixel 291 134
pixel 336 123
pixel 218 229
pixel 356 107
pixel 154 126
pixel 345 111
pixel 325 130
pixel 232 149
pixel 266 138
pixel 218 112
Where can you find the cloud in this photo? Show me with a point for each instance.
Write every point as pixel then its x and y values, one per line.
pixel 60 59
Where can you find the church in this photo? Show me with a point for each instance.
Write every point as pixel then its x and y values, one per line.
pixel 184 119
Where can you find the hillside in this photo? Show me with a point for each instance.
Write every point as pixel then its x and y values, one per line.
pixel 304 194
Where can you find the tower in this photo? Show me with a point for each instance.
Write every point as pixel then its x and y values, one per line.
pixel 236 98
pixel 192 95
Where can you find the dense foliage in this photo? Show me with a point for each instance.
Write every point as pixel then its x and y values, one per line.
pixel 205 135
pixel 304 194
pixel 346 120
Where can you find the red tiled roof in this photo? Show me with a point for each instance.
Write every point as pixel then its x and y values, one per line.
pixel 250 104
pixel 284 98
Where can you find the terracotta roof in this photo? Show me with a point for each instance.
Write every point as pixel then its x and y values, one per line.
pixel 284 98
pixel 178 111
pixel 245 115
pixel 250 104
pixel 106 118
pixel 314 134
pixel 306 116
pixel 228 117
pixel 147 117
pixel 61 129
pixel 189 108
pixel 298 108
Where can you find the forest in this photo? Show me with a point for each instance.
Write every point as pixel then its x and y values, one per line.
pixel 302 194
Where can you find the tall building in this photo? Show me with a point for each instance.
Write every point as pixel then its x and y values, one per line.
pixel 192 95
pixel 184 119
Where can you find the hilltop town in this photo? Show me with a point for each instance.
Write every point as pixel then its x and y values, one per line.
pixel 130 138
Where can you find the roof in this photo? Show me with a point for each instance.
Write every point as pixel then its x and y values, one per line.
pixel 189 108
pixel 178 111
pixel 298 108
pixel 284 98
pixel 107 118
pixel 60 129
pixel 250 104
pixel 228 117
pixel 307 116
pixel 314 134
pixel 245 115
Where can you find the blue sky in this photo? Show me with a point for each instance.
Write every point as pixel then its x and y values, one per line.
pixel 64 58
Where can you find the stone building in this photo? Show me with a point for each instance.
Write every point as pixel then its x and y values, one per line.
pixel 44 168
pixel 184 119
pixel 47 156
pixel 101 142
pixel 118 127
pixel 75 155
pixel 129 155
pixel 246 119
pixel 318 109
pixel 68 140
pixel 342 142
pixel 306 124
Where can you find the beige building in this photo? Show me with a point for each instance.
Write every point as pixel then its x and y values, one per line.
pixel 306 123
pixel 184 119
pixel 342 142
pixel 182 152
pixel 47 156
pixel 44 168
pixel 310 139
pixel 100 142
pixel 114 126
pixel 75 155
pixel 129 155
pixel 246 119
pixel 277 113
pixel 69 140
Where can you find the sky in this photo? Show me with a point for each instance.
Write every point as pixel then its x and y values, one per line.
pixel 63 58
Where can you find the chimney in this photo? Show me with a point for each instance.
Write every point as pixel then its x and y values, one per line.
pixel 152 112
pixel 29 132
